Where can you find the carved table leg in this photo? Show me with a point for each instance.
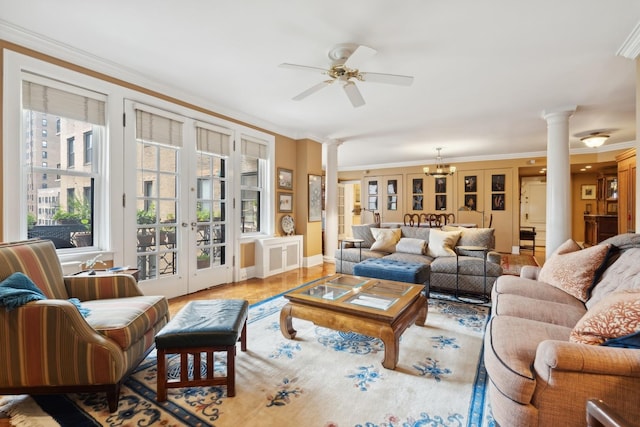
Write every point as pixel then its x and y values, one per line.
pixel 286 325
pixel 391 349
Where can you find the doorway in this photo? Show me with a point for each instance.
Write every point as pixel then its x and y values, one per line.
pixel 533 206
pixel 180 191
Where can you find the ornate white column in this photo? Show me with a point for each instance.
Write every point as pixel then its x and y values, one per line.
pixel 331 199
pixel 558 178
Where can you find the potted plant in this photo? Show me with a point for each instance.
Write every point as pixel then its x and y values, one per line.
pixel 204 260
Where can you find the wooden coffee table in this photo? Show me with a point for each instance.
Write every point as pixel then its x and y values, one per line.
pixel 377 308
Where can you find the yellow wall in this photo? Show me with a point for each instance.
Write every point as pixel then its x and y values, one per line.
pixel 308 161
pixel 506 222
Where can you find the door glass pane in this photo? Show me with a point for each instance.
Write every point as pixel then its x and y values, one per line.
pixel 157 201
pixel 210 208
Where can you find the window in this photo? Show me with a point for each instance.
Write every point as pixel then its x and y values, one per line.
pixel 62 211
pixel 88 147
pixel 253 170
pixel 44 122
pixel 71 155
pixel 44 133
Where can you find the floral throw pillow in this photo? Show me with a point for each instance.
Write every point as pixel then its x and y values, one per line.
pixel 616 315
pixel 573 272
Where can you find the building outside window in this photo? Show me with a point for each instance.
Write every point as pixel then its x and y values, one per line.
pixel 62 211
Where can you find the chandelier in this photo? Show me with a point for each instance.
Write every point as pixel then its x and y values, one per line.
pixel 441 169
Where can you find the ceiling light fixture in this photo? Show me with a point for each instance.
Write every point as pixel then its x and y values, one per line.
pixel 441 169
pixel 595 139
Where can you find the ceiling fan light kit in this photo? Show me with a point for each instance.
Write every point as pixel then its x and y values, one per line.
pixel 344 57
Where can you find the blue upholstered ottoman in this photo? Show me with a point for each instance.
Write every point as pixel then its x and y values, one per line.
pixel 390 269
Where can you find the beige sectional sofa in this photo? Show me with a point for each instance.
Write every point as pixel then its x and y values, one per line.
pixel 548 344
pixel 432 247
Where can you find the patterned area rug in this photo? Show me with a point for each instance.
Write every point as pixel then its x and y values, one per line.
pixel 322 378
pixel 512 264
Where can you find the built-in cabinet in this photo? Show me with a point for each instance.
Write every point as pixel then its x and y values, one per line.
pixel 599 227
pixel 278 254
pixel 627 191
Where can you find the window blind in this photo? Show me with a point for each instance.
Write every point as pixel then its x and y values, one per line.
pixel 254 149
pixel 210 141
pixel 61 103
pixel 154 128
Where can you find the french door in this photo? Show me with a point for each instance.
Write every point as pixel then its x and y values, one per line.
pixel 176 212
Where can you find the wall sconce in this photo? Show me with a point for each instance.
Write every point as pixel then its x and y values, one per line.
pixel 441 170
pixel 596 139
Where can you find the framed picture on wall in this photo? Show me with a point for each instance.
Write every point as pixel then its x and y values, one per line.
pixel 285 202
pixel 285 179
pixel 588 191
pixel 497 182
pixel 471 201
pixel 441 202
pixel 315 198
pixel 441 185
pixel 417 203
pixel 470 184
pixel 417 186
pixel 497 202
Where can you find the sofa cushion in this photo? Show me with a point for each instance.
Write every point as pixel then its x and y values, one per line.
pixel 510 349
pixel 126 320
pixel 410 245
pixel 441 243
pixel 403 256
pixel 386 239
pixel 355 255
pixel 616 315
pixel 416 232
pixel 532 309
pixel 574 272
pixel 465 265
pixel 363 232
pixel 621 275
pixel 533 289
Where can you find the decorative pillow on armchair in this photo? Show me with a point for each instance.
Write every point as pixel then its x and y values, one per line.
pixel 616 315
pixel 441 243
pixel 386 239
pixel 573 270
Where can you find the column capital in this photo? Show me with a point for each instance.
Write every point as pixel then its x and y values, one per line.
pixel 334 142
pixel 559 113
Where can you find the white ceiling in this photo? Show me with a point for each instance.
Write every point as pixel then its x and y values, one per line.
pixel 484 70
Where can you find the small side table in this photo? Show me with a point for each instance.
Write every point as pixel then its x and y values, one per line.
pixel 355 242
pixel 484 251
pixel 107 272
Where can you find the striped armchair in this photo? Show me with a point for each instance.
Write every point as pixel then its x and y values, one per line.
pixel 49 347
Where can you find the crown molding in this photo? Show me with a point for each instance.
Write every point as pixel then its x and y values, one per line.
pixel 631 47
pixel 47 46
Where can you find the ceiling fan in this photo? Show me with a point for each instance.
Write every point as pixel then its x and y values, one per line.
pixel 345 58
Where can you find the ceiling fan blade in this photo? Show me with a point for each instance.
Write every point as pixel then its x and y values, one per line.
pixel 304 68
pixel 312 90
pixel 393 79
pixel 353 93
pixel 359 56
